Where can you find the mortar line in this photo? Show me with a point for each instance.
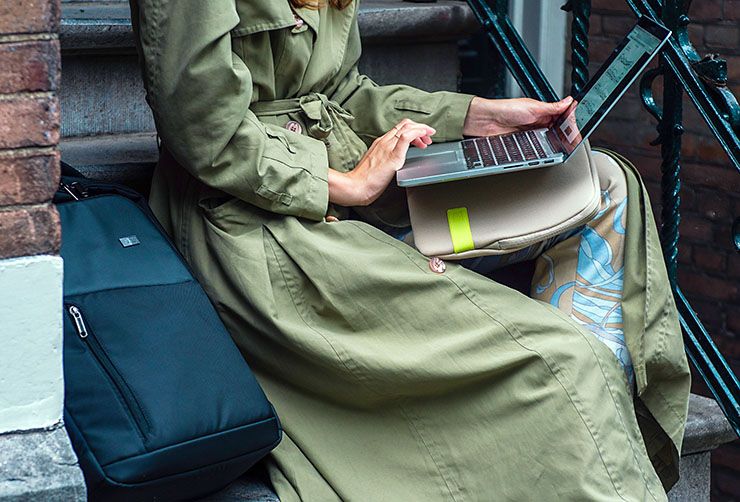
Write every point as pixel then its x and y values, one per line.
pixel 25 152
pixel 27 37
pixel 33 95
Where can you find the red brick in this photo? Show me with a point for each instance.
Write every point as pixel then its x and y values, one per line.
pixel 729 347
pixel 29 66
pixel 693 122
pixel 714 206
pixel 630 134
pixel 29 231
pixel 709 259
pixel 733 325
pixel 706 286
pixel 722 36
pixel 732 10
pixel 725 485
pixel 595 25
pixel 727 457
pixel 599 49
pixel 648 165
pixel 28 180
pixel 733 265
pixel 685 252
pixel 29 121
pixel 29 16
pixel 723 178
pixel 734 365
pixel 723 237
pixel 688 198
pixel 733 72
pixel 706 10
pixel 709 312
pixel 695 229
pixel 704 149
pixel 610 6
pixel 696 35
pixel 618 25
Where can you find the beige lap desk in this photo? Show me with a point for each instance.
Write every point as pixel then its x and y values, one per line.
pixel 502 213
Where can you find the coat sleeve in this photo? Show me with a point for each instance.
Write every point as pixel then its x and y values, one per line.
pixel 378 108
pixel 200 92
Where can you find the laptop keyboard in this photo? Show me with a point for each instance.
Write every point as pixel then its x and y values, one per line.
pixel 496 150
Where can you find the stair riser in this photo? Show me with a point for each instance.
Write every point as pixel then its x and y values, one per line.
pixel 103 94
pixel 694 484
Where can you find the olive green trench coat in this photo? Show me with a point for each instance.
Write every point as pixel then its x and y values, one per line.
pixel 392 382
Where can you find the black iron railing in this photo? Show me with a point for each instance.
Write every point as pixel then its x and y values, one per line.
pixel 683 70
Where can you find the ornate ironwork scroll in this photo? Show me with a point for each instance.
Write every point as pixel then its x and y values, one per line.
pixel 581 10
pixel 683 70
pixel 670 129
pixel 701 82
pixel 493 17
pixel 705 81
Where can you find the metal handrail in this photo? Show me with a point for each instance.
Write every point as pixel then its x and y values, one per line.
pixel 517 58
pixel 683 70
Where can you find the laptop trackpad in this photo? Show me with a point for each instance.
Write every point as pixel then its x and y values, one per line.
pixel 435 163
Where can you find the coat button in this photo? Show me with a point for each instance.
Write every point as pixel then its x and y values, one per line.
pixel 437 265
pixel 294 126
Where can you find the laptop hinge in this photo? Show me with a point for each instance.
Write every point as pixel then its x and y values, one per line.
pixel 555 143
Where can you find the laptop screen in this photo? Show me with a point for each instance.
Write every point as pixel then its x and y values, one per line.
pixel 609 83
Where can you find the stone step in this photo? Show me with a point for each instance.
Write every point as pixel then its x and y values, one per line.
pixel 706 429
pixel 39 465
pixel 121 158
pixel 102 94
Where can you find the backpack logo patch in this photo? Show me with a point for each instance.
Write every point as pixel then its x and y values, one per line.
pixel 129 241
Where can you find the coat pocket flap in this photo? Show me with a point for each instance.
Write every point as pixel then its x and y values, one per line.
pixel 427 106
pixel 277 133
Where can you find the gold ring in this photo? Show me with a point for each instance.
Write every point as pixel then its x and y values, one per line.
pixel 397 135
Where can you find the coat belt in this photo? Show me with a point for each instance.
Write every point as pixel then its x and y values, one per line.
pixel 321 114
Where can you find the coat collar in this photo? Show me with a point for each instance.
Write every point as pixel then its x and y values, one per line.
pixel 310 17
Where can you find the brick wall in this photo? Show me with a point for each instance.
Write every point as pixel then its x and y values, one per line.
pixel 29 127
pixel 710 267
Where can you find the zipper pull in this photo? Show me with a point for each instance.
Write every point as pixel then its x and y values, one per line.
pixel 74 189
pixel 69 190
pixel 80 190
pixel 79 322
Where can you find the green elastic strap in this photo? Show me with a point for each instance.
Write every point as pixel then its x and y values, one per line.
pixel 462 237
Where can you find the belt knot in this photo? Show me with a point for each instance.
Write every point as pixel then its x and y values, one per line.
pixel 322 114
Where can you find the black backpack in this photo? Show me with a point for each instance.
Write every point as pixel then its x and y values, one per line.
pixel 159 403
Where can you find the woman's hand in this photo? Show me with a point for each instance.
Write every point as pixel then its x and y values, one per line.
pixel 369 179
pixel 489 117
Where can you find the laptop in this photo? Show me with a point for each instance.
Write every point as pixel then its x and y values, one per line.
pixel 442 162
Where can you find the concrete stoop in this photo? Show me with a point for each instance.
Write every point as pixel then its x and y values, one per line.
pixel 102 94
pixel 39 466
pixel 706 429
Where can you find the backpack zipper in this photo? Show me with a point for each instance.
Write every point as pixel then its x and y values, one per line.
pixel 106 364
pixel 74 189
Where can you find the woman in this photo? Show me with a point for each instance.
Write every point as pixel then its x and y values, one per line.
pixel 393 381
